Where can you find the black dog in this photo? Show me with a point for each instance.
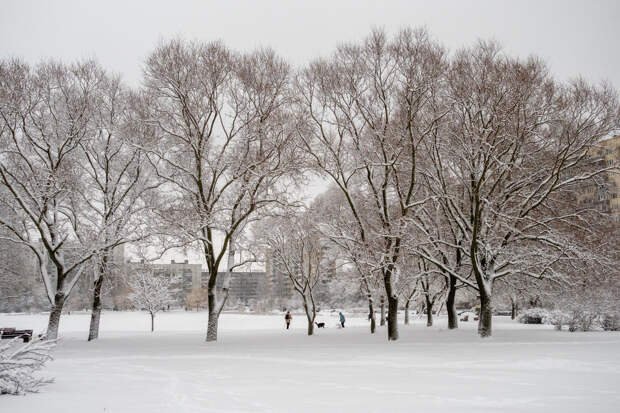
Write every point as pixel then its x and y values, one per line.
pixel 320 325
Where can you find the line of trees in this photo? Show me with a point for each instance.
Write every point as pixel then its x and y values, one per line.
pixel 445 170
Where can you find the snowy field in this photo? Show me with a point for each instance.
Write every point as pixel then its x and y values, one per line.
pixel 257 366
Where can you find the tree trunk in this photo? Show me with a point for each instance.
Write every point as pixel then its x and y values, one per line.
pixel 407 312
pixel 213 313
pixel 453 319
pixel 152 322
pixel 212 325
pixel 513 310
pixel 310 318
pixel 429 311
pixel 486 314
pixel 371 311
pixel 214 308
pixel 310 327
pixel 382 321
pixel 95 316
pixel 393 317
pixel 54 320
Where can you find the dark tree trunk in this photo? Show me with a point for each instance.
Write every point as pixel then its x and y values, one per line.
pixel 152 322
pixel 513 310
pixel 213 316
pixel 54 320
pixel 486 314
pixel 429 311
pixel 215 309
pixel 95 316
pixel 382 321
pixel 393 317
pixel 453 320
pixel 371 311
pixel 407 312
pixel 310 318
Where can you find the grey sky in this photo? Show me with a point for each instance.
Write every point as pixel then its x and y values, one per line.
pixel 574 37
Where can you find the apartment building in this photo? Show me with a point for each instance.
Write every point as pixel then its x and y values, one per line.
pixel 603 192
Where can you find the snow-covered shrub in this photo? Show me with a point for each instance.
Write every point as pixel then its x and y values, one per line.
pixel 534 316
pixel 558 318
pixel 591 309
pixel 581 320
pixel 19 363
pixel 610 322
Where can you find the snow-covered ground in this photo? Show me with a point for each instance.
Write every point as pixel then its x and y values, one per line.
pixel 257 366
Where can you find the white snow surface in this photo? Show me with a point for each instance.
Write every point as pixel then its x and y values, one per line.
pixel 258 366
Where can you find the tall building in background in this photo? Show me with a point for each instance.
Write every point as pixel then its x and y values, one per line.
pixel 185 278
pixel 603 192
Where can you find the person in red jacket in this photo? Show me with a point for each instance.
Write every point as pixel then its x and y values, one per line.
pixel 288 317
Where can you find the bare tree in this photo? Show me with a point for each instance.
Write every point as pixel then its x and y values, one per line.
pixel 433 290
pixel 150 290
pixel 363 114
pixel 297 251
pixel 45 114
pixel 515 145
pixel 117 179
pixel 221 145
pixel 18 272
pixel 336 223
pixel 438 240
pixel 409 289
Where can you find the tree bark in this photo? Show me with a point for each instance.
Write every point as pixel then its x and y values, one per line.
pixel 382 321
pixel 513 310
pixel 95 316
pixel 310 318
pixel 393 318
pixel 152 322
pixel 214 308
pixel 429 311
pixel 212 324
pixel 54 320
pixel 453 320
pixel 486 314
pixel 407 312
pixel 371 311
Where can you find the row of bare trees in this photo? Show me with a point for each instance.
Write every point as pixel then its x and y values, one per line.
pixel 72 183
pixel 459 167
pixel 469 162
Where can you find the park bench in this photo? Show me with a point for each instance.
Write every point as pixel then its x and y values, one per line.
pixel 25 335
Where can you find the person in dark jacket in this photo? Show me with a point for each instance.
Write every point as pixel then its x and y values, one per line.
pixel 342 319
pixel 288 317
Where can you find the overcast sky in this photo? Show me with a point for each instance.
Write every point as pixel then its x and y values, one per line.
pixel 574 37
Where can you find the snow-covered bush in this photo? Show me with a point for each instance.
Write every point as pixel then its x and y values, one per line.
pixel 534 316
pixel 558 318
pixel 591 309
pixel 581 320
pixel 610 322
pixel 19 363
